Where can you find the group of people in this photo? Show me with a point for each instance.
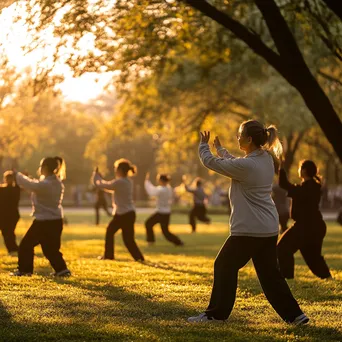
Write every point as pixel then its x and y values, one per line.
pixel 254 220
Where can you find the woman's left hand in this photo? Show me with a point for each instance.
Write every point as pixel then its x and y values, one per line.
pixel 205 137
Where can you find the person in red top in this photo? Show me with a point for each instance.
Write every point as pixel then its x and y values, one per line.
pixel 309 229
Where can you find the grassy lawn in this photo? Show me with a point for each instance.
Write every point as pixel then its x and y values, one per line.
pixel 124 300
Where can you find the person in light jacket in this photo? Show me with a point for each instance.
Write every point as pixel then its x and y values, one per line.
pixel 253 224
pixel 123 208
pixel 46 229
pixel 163 193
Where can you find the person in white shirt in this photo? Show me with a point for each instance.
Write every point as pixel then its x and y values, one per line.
pixel 199 210
pixel 46 229
pixel 163 193
pixel 253 224
pixel 123 208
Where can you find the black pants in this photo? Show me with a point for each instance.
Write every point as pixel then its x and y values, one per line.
pixel 283 219
pixel 309 242
pixel 124 222
pixel 98 206
pixel 7 228
pixel 199 211
pixel 235 254
pixel 163 220
pixel 48 235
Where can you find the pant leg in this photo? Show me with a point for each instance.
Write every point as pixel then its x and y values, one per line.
pixel 97 214
pixel 288 245
pixel 50 240
pixel 202 214
pixel 192 219
pixel 26 248
pixel 272 282
pixel 164 223
pixel 128 221
pixel 149 224
pixel 8 232
pixel 283 219
pixel 113 226
pixel 311 251
pixel 234 254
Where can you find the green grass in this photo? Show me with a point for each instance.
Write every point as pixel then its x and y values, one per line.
pixel 127 301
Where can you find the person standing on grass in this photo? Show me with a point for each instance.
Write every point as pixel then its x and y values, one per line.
pixel 282 204
pixel 199 210
pixel 123 208
pixel 9 211
pixel 164 193
pixel 100 202
pixel 309 229
pixel 46 229
pixel 253 224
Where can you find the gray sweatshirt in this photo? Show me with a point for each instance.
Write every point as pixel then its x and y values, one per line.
pixel 47 196
pixel 253 210
pixel 122 199
pixel 199 195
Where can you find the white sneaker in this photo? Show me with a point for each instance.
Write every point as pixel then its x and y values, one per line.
pixel 302 319
pixel 203 318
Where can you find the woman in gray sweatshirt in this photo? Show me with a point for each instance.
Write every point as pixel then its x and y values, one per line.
pixel 253 223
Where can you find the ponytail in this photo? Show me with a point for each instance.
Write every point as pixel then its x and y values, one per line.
pixel 265 138
pixel 273 143
pixel 61 168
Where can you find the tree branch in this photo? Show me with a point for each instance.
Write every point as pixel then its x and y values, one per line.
pixel 240 31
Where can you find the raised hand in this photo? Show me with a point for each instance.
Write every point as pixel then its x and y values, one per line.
pixel 183 179
pixel 217 143
pixel 147 177
pixel 205 137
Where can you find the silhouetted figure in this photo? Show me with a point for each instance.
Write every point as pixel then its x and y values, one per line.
pixel 339 217
pixel 124 210
pixel 46 229
pixel 9 211
pixel 282 204
pixel 163 193
pixel 100 202
pixel 309 229
pixel 199 210
pixel 253 224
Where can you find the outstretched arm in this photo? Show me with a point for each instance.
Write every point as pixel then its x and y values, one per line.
pixel 237 168
pixel 150 188
pixel 28 183
pixel 221 151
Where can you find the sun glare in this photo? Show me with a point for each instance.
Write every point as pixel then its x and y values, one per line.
pixel 14 35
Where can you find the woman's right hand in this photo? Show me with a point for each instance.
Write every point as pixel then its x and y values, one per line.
pixel 147 177
pixel 217 143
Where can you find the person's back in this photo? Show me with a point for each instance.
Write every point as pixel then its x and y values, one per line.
pixel 123 196
pixel 47 199
pixel 253 210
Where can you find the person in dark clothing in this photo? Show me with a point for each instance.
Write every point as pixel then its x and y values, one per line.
pixel 199 210
pixel 282 204
pixel 100 202
pixel 46 229
pixel 163 193
pixel 124 209
pixel 9 211
pixel 309 229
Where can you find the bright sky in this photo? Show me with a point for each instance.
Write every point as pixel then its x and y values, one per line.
pixel 13 36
